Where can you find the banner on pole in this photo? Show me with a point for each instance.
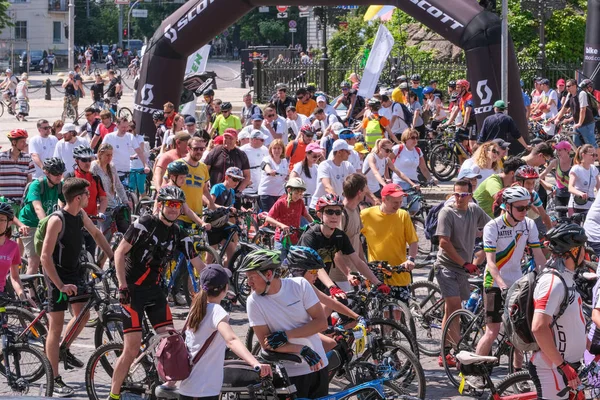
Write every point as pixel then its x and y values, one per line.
pixel 196 63
pixel 382 46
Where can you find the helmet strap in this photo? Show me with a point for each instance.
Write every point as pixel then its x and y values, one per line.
pixel 512 216
pixel 575 257
pixel 162 212
pixel 267 281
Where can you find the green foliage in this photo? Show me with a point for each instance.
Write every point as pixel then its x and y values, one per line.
pixel 5 20
pixel 272 31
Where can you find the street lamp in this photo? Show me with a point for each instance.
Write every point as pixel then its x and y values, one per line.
pixel 128 18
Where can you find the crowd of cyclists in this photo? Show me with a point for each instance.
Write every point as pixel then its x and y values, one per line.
pixel 341 193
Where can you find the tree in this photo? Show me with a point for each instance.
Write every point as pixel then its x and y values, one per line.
pixel 5 20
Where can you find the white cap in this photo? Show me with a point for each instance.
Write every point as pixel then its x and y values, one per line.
pixel 321 98
pixel 257 134
pixel 337 127
pixel 340 144
pixel 68 127
pixel 8 71
pixel 244 134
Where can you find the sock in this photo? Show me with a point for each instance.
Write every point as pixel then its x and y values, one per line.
pixel 114 396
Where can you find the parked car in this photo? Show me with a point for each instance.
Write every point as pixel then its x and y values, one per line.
pixel 135 45
pixel 36 61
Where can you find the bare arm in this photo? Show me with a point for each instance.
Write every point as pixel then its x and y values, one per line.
pixel 362 267
pixel 247 179
pixel 120 264
pixel 235 344
pixel 327 184
pixel 39 210
pixel 158 176
pixel 375 171
pixel 540 327
pixel 448 247
pixel 36 160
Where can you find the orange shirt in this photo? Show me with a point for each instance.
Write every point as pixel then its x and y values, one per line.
pixel 298 154
pixel 306 109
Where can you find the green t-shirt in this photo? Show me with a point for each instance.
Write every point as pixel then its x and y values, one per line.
pixel 222 123
pixel 49 199
pixel 484 194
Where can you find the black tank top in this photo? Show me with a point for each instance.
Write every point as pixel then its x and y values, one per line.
pixel 68 268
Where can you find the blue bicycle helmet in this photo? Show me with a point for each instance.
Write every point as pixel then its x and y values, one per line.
pixel 428 90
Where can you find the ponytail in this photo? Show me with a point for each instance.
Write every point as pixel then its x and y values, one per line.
pixel 199 306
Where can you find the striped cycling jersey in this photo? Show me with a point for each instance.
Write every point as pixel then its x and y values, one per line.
pixel 14 174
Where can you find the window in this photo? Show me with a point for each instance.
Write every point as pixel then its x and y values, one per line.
pixel 56 28
pixel 21 30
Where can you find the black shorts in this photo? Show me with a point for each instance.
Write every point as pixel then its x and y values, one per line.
pixel 58 301
pixel 313 385
pixel 401 293
pixel 217 235
pixel 493 304
pixel 150 299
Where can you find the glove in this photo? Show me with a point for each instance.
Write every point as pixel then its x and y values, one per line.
pixel 311 356
pixel 568 372
pixel 277 339
pixel 124 296
pixel 383 288
pixel 471 268
pixel 362 321
pixel 334 291
pixel 101 216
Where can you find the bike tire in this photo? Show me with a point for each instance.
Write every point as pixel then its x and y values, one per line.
pixel 1 108
pixel 238 279
pixel 424 243
pixel 511 382
pixel 89 271
pixel 188 287
pixel 125 112
pixel 406 317
pixel 444 163
pixel 392 333
pixel 109 330
pixel 43 370
pixel 427 308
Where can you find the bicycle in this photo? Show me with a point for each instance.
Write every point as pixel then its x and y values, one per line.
pixel 69 110
pixel 122 112
pixel 444 160
pixel 16 360
pixel 419 217
pixel 8 104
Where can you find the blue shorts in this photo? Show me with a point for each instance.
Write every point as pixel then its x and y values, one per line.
pixel 586 132
pixel 137 180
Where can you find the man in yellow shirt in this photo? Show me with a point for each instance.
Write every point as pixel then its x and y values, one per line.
pixel 397 93
pixel 225 120
pixel 388 230
pixel 195 187
pixel 305 105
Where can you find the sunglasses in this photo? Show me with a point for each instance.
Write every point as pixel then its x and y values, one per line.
pixel 85 160
pixel 387 150
pixel 198 148
pixel 522 208
pixel 44 128
pixel 270 115
pixel 173 204
pixel 569 86
pixel 345 89
pixel 237 180
pixel 333 212
pixel 495 151
pixel 592 154
pixel 313 271
pixel 462 195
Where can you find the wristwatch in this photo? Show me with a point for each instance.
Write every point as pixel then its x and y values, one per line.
pixel 411 259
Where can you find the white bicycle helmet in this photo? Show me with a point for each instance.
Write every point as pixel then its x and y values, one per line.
pixel 295 183
pixel 514 194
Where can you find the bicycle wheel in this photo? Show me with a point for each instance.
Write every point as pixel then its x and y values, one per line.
pixel 424 243
pixel 239 280
pixel 519 383
pixel 109 330
pixel 443 163
pixel 1 108
pixel 470 331
pixel 125 112
pixel 97 71
pixel 390 332
pixel 90 271
pixel 99 370
pixel 391 307
pixel 18 319
pixel 427 308
pixel 30 371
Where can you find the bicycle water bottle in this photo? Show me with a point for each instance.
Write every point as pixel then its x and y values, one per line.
pixel 473 300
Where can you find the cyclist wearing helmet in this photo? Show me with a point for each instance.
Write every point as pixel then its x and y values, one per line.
pixel 296 149
pixel 527 177
pixel 159 121
pixel 334 246
pixel 8 87
pixel 286 316
pixel 282 101
pixel 434 105
pixel 287 212
pixel 16 166
pixel 226 120
pixel 170 113
pixel 149 244
pixel 374 126
pixel 415 87
pixel 355 104
pixel 504 242
pixel 65 146
pixel 563 341
pixel 10 255
pixel 467 129
pixel 397 93
pixel 61 263
pixel 42 146
pixel 39 200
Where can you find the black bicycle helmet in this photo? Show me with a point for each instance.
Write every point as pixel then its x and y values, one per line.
pixel 6 209
pixel 564 237
pixel 261 260
pixel 452 84
pixel 83 152
pixel 208 92
pixel 415 77
pixel 584 84
pixel 158 115
pixel 302 257
pixel 178 167
pixel 54 166
pixel 217 218
pixel 345 85
pixel 226 106
pixel 171 193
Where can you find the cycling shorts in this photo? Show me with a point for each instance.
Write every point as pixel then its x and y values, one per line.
pixel 548 380
pixel 149 299
pixel 59 301
pixel 494 305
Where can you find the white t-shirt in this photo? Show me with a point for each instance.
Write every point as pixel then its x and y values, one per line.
pixel 88 55
pixel 432 105
pixel 353 158
pixel 44 148
pixel 592 221
pixel 311 183
pixel 547 97
pixel 21 87
pixel 206 378
pixel 286 310
pixel 273 185
pixel 399 125
pixel 585 181
pixel 280 128
pixel 407 162
pixel 138 140
pixel 64 151
pixel 297 124
pixel 484 172
pixel 255 158
pixel 123 147
pixel 336 175
pixel 373 183
pixel 414 107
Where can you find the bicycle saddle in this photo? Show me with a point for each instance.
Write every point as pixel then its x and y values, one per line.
pixel 477 282
pixel 28 278
pixel 468 358
pixel 266 230
pixel 272 356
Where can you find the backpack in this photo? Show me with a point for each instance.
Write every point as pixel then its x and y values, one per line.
pixel 42 188
pixel 593 104
pixel 431 223
pixel 408 114
pixel 294 147
pixel 173 359
pixel 401 147
pixel 518 310
pixel 373 125
pixel 496 205
pixel 40 234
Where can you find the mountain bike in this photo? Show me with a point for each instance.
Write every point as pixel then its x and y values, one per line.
pixel 446 158
pixel 10 107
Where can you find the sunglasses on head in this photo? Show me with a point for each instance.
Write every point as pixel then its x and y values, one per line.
pixel 462 195
pixel 173 204
pixel 333 212
pixel 522 208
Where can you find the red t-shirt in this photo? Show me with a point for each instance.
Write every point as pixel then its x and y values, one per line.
pixel 289 216
pixel 95 188
pixel 169 120
pixel 103 130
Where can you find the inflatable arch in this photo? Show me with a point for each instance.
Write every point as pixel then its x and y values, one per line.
pixel 462 22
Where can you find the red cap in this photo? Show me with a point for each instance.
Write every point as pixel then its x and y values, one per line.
pixel 561 81
pixel 391 189
pixel 218 140
pixel 230 132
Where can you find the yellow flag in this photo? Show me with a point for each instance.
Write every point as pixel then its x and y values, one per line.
pixel 372 12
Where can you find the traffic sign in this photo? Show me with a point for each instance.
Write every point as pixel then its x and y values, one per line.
pixel 139 13
pixel 282 9
pixel 263 9
pixel 282 15
pixel 123 2
pixel 292 23
pixel 303 8
pixel 303 14
pixel 293 30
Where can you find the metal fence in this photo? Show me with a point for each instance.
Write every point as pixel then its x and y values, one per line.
pixel 327 77
pixel 10 53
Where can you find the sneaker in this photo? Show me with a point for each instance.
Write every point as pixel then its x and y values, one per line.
pixel 61 389
pixel 72 360
pixel 166 392
pixel 476 382
pixel 450 360
pixel 180 299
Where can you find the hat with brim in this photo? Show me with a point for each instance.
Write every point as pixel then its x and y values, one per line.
pixel 214 276
pixel 392 189
pixel 468 173
pixel 68 127
pixel 502 143
pixel 500 104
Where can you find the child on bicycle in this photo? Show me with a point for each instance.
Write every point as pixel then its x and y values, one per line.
pixel 10 255
pixel 287 212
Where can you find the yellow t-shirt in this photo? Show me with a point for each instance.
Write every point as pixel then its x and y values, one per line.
pixel 194 188
pixel 387 236
pixel 306 109
pixel 221 123
pixel 398 96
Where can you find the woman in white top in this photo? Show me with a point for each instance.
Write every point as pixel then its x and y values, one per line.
pixel 485 161
pixel 435 106
pixel 409 159
pixel 207 317
pixel 275 170
pixel 583 179
pixel 377 164
pixel 22 97
pixel 178 126
pixel 307 168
